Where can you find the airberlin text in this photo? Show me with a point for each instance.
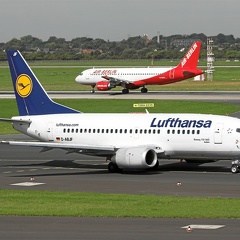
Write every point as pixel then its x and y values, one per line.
pixel 189 54
pixel 105 72
pixel 179 123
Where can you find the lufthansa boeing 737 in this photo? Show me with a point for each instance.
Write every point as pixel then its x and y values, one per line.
pixel 127 141
pixel 132 78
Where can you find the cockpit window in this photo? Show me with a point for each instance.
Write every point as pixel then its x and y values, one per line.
pixel 238 130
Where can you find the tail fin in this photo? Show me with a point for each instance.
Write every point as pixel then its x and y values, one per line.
pixel 30 95
pixel 190 60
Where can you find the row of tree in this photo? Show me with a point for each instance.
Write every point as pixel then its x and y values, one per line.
pixel 139 47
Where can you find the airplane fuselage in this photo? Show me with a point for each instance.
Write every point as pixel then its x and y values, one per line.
pixel 132 76
pixel 185 136
pixel 94 75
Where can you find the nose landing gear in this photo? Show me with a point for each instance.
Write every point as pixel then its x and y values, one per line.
pixel 235 166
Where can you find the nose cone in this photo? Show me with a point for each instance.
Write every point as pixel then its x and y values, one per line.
pixel 77 79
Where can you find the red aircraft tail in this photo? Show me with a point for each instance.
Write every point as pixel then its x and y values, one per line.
pixel 190 60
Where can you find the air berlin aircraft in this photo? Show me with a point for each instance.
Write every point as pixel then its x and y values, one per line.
pixel 132 78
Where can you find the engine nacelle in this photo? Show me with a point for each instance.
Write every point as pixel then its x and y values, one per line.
pixel 103 86
pixel 135 158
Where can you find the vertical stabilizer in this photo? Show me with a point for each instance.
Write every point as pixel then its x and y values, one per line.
pixel 31 97
pixel 190 60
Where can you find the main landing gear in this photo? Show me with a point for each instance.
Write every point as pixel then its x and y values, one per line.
pixel 126 90
pixel 235 166
pixel 144 90
pixel 113 168
pixel 93 90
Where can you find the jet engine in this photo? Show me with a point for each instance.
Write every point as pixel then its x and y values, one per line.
pixel 103 86
pixel 135 158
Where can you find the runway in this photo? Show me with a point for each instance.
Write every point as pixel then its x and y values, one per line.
pixel 57 228
pixel 74 172
pixel 164 95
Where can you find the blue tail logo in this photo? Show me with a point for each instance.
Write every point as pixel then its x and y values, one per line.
pixel 31 97
pixel 24 85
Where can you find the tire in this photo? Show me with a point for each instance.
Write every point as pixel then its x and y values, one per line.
pixel 125 91
pixel 144 90
pixel 234 168
pixel 113 168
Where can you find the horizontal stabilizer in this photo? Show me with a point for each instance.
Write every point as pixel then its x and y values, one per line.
pixel 15 120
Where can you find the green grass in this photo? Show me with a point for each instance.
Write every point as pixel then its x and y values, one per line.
pixel 8 108
pixel 47 203
pixel 63 79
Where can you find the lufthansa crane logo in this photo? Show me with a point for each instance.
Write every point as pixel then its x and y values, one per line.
pixel 24 85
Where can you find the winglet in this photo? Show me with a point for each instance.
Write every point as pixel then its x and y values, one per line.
pixel 31 97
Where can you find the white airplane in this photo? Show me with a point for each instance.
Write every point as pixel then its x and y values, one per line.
pixel 128 141
pixel 132 78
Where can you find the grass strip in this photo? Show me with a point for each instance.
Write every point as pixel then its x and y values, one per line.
pixel 8 107
pixel 63 78
pixel 78 204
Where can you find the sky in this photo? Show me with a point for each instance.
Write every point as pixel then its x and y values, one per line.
pixel 116 20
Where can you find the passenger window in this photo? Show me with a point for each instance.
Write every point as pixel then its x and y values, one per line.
pixel 238 130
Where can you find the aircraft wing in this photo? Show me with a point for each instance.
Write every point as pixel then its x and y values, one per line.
pixel 116 81
pixel 99 150
pixel 70 148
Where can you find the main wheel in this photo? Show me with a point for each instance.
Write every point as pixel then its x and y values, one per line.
pixel 234 168
pixel 113 168
pixel 144 90
pixel 125 91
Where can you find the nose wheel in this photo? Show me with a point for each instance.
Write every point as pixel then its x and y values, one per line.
pixel 93 90
pixel 235 166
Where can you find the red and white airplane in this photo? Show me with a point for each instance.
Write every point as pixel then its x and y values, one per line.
pixel 132 78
